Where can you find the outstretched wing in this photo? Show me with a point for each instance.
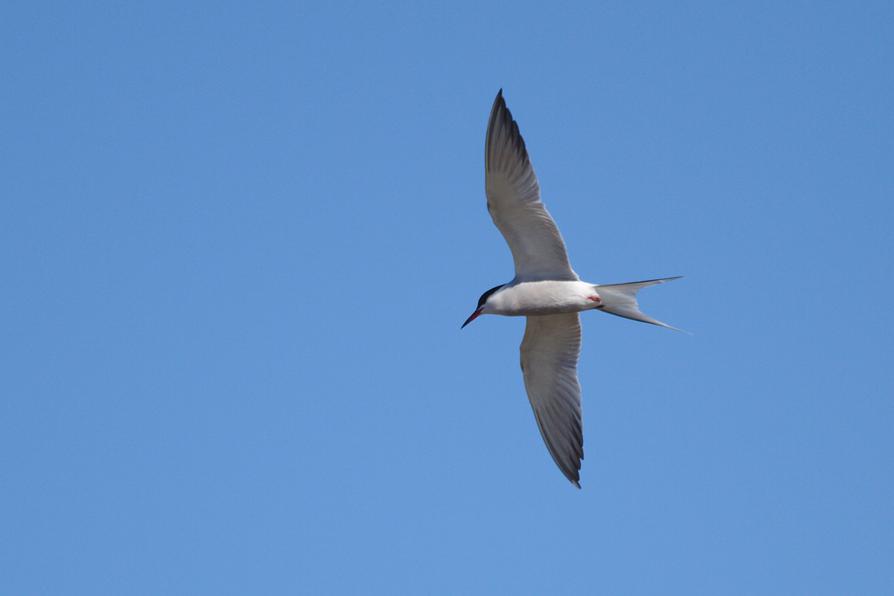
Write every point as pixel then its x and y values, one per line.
pixel 513 199
pixel 549 354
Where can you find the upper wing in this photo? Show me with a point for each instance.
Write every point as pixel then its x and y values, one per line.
pixel 549 355
pixel 513 199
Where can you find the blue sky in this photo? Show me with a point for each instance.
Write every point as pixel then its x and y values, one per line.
pixel 237 242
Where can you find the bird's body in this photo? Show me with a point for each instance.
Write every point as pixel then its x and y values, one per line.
pixel 543 298
pixel 546 290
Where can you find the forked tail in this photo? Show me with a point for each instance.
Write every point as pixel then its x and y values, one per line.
pixel 620 300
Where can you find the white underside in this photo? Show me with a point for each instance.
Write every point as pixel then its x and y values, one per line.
pixel 542 298
pixel 532 298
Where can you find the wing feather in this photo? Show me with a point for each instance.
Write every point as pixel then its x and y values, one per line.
pixel 549 355
pixel 513 200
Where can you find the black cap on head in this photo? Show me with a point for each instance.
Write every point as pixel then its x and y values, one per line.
pixel 487 294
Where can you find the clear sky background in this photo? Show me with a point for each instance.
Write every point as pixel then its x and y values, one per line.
pixel 238 240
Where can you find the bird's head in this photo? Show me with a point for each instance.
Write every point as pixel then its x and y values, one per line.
pixel 482 304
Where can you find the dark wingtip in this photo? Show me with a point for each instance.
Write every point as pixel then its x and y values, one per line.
pixel 499 101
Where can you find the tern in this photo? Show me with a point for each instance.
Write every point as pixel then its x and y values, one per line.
pixel 546 290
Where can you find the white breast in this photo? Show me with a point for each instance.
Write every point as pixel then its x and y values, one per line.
pixel 542 298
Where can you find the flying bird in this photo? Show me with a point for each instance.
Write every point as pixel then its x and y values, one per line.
pixel 546 290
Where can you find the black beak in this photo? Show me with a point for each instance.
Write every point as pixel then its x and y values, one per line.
pixel 472 317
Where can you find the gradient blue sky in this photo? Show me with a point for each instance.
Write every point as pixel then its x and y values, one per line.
pixel 238 240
